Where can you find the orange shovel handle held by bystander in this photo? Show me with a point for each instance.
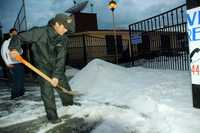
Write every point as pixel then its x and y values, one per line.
pixel 26 63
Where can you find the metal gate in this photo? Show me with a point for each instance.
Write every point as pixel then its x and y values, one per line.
pixel 161 41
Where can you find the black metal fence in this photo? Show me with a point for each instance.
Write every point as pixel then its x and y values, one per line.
pixel 83 48
pixel 161 41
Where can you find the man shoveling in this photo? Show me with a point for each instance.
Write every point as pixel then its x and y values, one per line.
pixel 49 54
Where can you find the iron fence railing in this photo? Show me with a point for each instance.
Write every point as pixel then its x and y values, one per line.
pixel 161 41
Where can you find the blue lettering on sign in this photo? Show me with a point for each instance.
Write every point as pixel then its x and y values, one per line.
pixel 194 34
pixel 194 29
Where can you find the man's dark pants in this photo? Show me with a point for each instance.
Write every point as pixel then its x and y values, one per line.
pixel 48 97
pixel 17 75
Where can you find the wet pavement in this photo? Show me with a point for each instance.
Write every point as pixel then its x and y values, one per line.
pixel 68 125
pixel 8 106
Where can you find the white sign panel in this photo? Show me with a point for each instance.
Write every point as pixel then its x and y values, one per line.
pixel 193 29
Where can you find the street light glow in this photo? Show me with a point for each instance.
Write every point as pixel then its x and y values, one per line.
pixel 112 5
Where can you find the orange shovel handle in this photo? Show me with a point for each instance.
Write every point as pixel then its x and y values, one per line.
pixel 26 63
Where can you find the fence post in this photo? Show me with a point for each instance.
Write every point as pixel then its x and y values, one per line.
pixel 130 47
pixel 84 50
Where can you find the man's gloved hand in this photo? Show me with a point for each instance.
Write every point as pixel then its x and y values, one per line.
pixel 54 82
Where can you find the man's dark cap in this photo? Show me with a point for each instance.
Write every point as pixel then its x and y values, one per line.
pixel 65 20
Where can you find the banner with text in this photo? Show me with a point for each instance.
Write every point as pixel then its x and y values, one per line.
pixel 193 29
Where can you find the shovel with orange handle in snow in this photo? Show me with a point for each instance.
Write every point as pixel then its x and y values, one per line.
pixel 33 68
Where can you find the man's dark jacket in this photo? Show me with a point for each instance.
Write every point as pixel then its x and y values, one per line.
pixel 48 48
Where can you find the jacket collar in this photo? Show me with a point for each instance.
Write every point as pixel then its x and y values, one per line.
pixel 52 33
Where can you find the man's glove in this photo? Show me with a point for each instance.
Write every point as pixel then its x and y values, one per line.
pixel 54 82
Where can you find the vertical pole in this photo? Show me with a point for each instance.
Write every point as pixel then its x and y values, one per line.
pixel 84 51
pixel 129 46
pixel 115 38
pixel 25 15
pixel 25 28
